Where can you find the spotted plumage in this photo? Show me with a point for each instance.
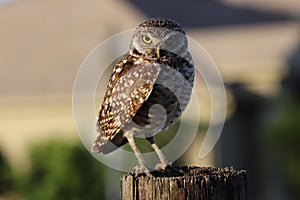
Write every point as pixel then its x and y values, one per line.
pixel 157 70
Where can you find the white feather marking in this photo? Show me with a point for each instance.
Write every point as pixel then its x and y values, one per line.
pixel 131 82
pixel 118 120
pixel 118 70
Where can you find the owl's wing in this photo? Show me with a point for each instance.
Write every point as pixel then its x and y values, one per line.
pixel 129 87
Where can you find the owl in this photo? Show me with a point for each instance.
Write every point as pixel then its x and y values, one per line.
pixel 148 90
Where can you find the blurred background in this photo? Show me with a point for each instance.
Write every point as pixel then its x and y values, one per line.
pixel 255 44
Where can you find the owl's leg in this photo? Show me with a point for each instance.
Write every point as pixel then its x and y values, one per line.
pixel 163 160
pixel 142 165
pixel 164 164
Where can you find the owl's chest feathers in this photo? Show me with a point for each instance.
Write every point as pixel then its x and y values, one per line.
pixel 171 90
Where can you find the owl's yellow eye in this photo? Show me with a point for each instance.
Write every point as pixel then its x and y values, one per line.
pixel 171 39
pixel 147 39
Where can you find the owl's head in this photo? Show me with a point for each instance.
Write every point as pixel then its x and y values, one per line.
pixel 157 36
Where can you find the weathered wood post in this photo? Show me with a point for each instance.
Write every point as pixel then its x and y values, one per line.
pixel 199 183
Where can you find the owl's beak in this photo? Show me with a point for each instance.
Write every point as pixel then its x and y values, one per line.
pixel 157 52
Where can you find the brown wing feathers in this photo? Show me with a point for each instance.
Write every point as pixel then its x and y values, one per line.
pixel 129 87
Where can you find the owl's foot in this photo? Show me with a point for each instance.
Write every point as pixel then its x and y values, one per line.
pixel 169 168
pixel 137 170
pixel 161 166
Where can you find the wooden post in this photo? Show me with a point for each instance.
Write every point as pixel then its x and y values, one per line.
pixel 199 183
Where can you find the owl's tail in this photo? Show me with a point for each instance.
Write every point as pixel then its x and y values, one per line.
pixel 104 146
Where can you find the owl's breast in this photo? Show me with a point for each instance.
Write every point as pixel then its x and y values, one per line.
pixel 168 99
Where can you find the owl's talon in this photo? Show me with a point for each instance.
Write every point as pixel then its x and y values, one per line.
pixel 174 169
pixel 160 166
pixel 169 168
pixel 137 170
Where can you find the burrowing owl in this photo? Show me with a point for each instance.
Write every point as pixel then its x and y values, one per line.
pixel 158 69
